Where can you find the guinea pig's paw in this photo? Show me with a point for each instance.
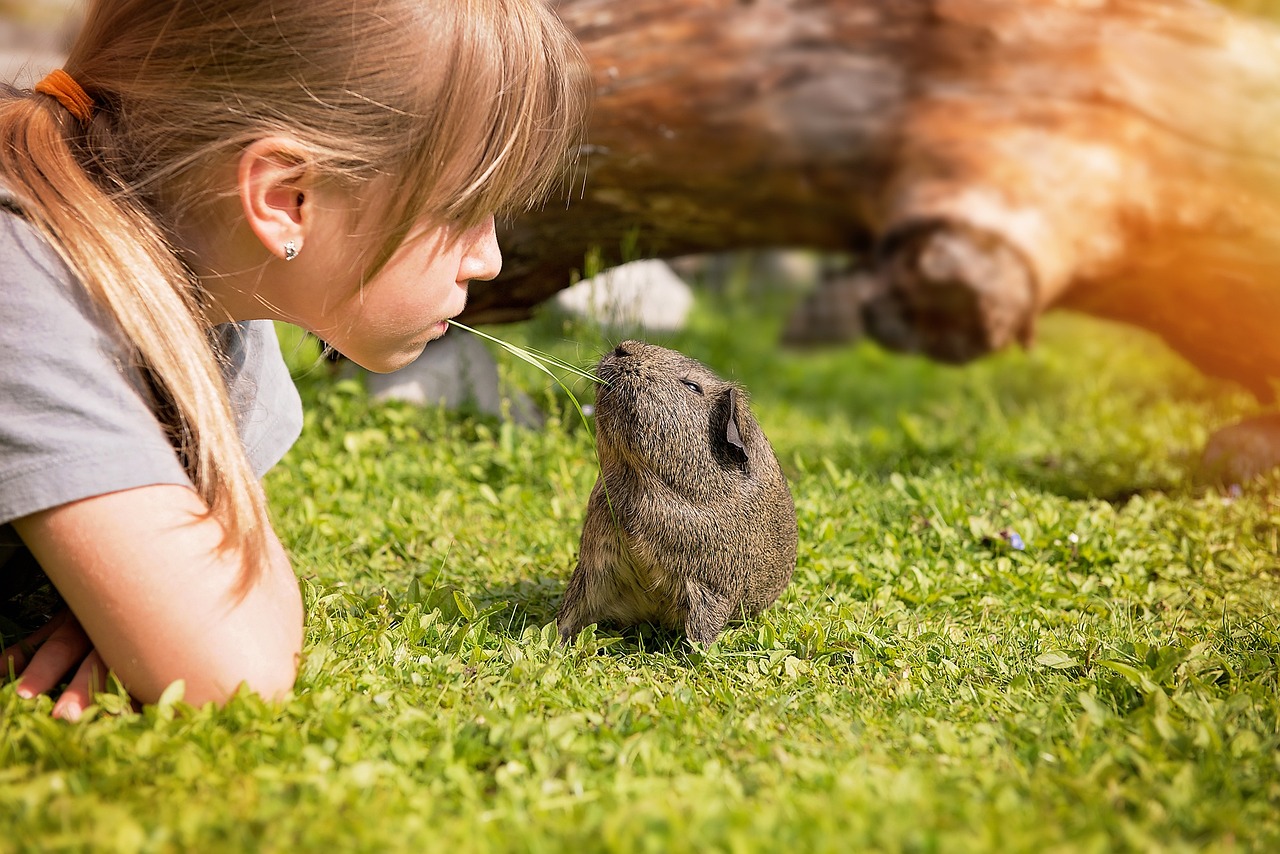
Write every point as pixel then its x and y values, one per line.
pixel 572 634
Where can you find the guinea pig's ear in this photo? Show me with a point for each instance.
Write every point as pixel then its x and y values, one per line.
pixel 732 434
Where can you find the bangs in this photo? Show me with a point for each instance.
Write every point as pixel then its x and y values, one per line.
pixel 506 118
pixel 527 132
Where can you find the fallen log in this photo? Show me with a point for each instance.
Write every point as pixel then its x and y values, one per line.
pixel 996 159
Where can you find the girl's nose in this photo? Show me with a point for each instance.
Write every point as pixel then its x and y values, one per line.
pixel 482 259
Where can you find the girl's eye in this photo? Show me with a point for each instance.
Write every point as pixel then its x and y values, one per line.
pixel 692 386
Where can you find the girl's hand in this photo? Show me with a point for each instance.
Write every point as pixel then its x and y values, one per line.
pixel 49 654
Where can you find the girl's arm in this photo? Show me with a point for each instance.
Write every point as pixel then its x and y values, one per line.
pixel 143 572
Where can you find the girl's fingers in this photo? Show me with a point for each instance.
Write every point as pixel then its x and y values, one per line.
pixel 14 658
pixel 90 678
pixel 64 648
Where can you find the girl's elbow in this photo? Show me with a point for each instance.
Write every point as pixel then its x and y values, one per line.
pixel 271 670
pixel 274 677
pixel 270 674
pixel 262 648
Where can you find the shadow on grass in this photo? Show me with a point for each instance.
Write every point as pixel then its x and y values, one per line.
pixel 28 600
pixel 1111 480
pixel 533 604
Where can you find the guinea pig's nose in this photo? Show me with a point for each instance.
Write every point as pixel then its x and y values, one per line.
pixel 621 351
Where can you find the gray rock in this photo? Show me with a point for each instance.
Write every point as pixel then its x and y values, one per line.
pixel 454 372
pixel 642 295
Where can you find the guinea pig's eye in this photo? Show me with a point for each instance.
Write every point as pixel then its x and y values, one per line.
pixel 692 386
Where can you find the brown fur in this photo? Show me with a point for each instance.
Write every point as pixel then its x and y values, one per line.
pixel 691 522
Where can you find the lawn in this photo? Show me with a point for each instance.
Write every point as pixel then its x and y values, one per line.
pixel 923 685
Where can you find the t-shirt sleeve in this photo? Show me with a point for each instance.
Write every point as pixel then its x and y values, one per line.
pixel 75 412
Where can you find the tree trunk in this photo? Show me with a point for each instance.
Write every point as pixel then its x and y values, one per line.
pixel 995 159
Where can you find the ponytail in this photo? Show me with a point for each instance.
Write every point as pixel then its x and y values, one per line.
pixel 109 240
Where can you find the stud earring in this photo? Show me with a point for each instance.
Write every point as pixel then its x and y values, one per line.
pixel 290 250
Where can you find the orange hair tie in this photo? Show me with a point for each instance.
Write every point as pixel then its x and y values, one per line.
pixel 62 86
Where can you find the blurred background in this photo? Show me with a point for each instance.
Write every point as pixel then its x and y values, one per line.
pixel 33 36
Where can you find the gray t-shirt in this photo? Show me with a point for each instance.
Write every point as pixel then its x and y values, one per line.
pixel 75 413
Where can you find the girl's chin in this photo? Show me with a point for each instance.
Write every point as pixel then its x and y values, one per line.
pixel 415 347
pixel 389 360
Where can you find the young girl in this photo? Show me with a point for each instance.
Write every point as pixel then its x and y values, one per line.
pixel 198 169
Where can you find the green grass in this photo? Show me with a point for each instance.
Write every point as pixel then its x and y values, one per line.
pixel 921 686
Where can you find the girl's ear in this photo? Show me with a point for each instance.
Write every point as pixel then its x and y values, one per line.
pixel 275 190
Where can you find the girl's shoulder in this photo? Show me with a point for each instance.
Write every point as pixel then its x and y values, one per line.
pixel 76 417
pixel 15 231
pixel 69 373
pixel 38 293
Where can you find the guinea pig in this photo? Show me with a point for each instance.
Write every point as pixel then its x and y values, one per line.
pixel 691 522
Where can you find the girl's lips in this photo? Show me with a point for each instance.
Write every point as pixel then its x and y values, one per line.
pixel 431 333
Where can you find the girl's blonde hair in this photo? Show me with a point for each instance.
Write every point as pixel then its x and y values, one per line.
pixel 470 106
